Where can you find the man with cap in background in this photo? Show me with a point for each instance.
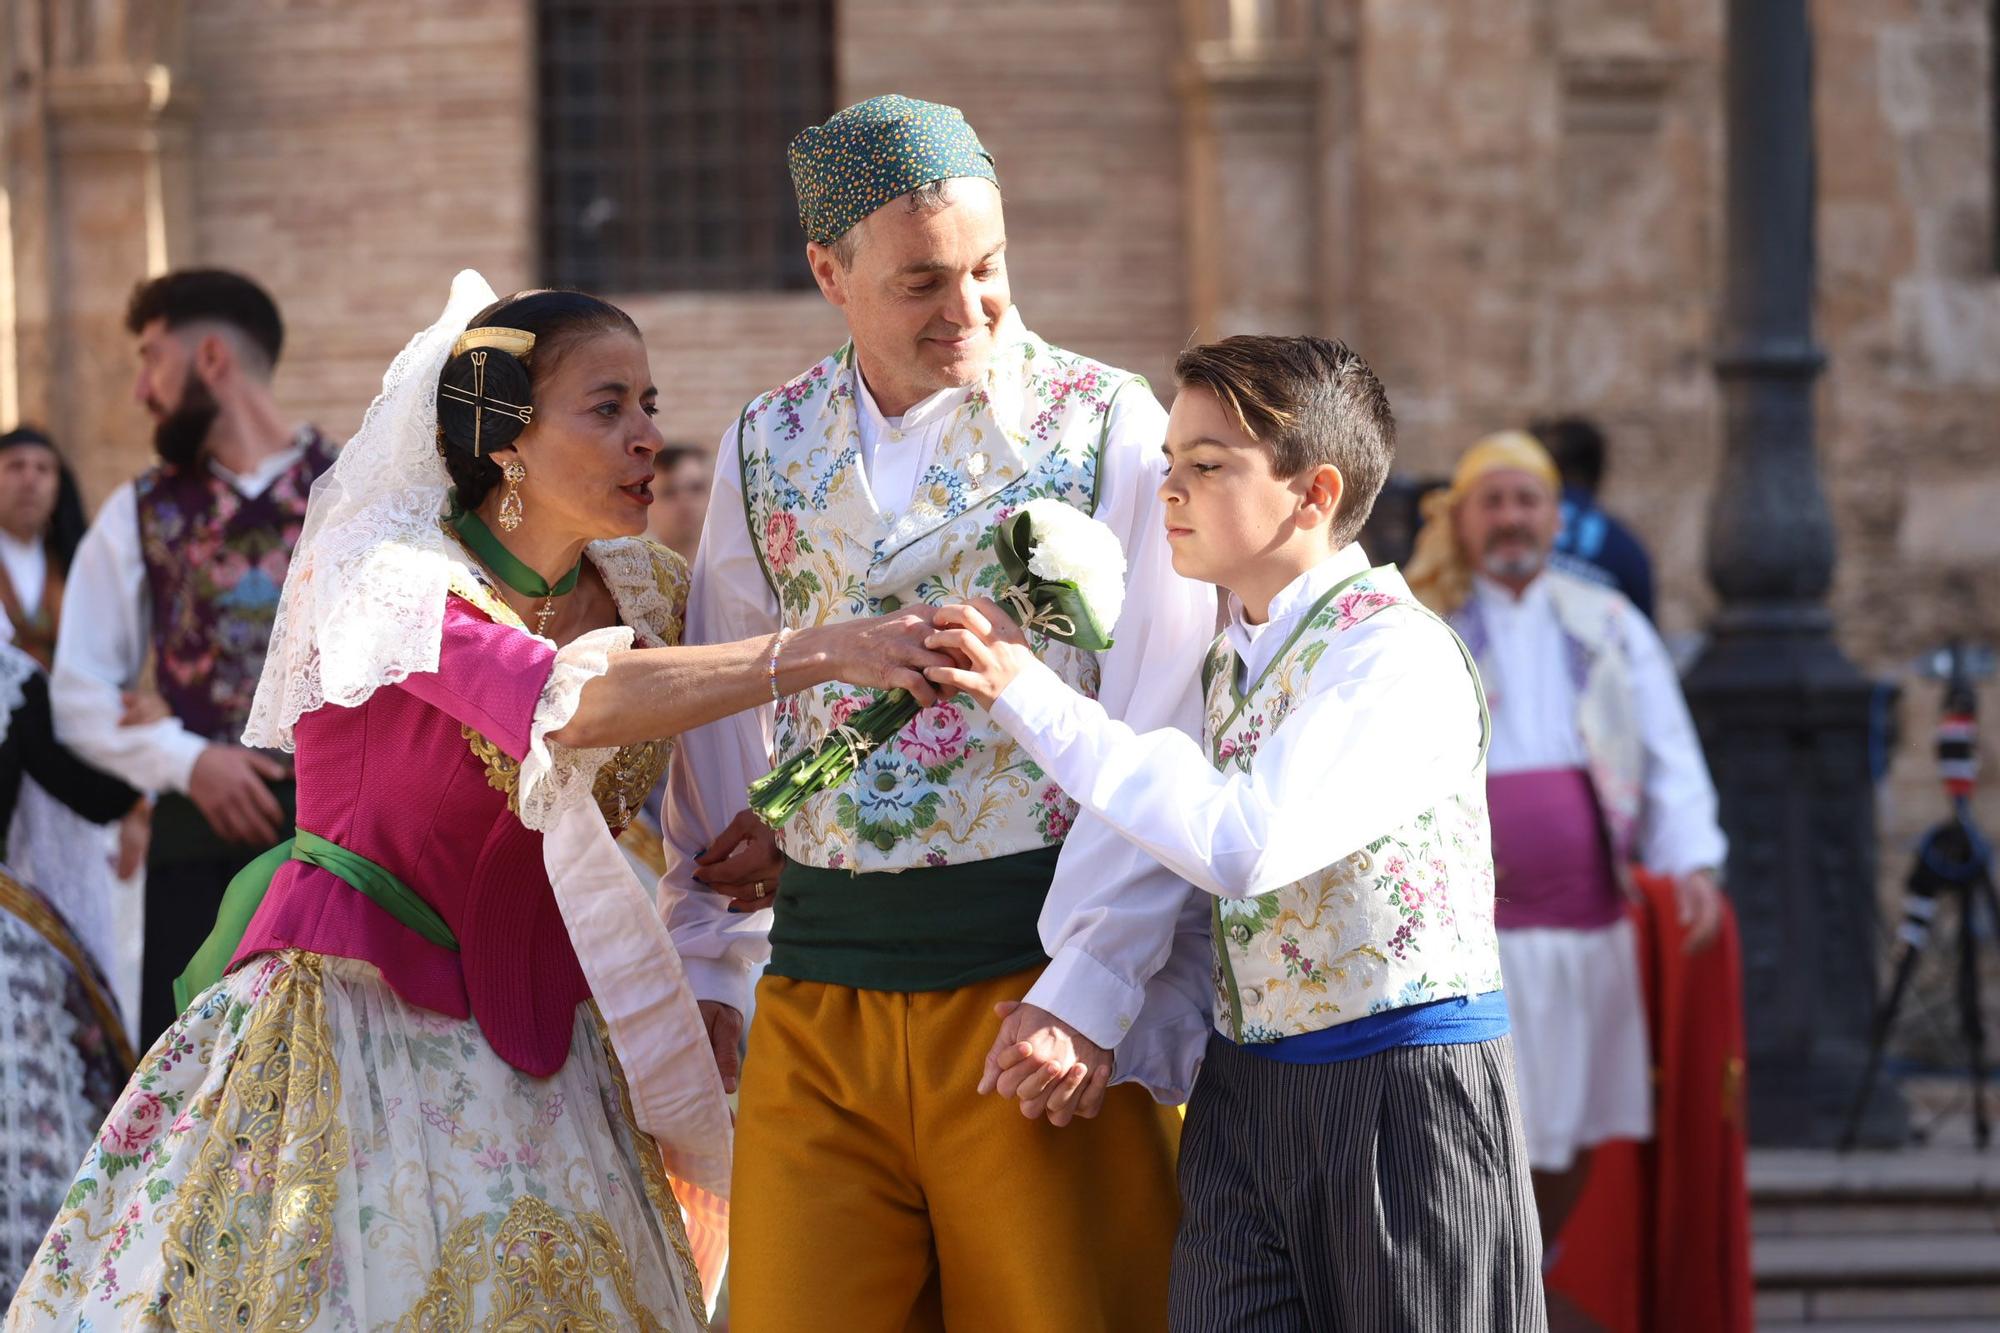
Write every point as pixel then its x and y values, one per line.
pixel 875 1187
pixel 1594 766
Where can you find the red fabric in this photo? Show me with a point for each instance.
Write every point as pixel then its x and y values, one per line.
pixel 395 780
pixel 1660 1241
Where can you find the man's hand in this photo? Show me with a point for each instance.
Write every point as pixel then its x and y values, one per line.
pixel 725 1038
pixel 135 836
pixel 1048 1065
pixel 988 647
pixel 142 708
pixel 1699 899
pixel 742 863
pixel 228 786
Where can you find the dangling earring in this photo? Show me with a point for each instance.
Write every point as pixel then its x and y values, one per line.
pixel 510 503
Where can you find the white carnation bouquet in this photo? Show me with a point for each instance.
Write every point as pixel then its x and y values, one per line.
pixel 1065 579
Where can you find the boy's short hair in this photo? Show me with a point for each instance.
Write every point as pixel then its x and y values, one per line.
pixel 200 295
pixel 1310 401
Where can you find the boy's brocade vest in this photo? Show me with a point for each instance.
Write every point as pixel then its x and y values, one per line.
pixel 1405 920
pixel 953 787
pixel 215 566
pixel 1613 743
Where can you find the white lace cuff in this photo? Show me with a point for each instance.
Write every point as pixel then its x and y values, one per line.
pixel 554 776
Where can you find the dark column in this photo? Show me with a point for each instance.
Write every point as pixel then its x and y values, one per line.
pixel 1783 714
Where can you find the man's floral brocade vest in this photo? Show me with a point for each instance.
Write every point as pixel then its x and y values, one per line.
pixel 953 786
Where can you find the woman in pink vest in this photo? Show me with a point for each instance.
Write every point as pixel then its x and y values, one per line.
pixel 439 1056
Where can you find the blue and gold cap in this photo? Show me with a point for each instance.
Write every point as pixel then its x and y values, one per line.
pixel 876 151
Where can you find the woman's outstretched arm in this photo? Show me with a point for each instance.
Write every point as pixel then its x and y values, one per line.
pixel 652 692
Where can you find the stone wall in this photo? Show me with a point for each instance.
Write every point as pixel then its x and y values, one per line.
pixel 1910 316
pixel 1510 206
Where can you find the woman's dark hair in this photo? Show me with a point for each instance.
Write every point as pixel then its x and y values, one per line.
pixel 66 524
pixel 559 320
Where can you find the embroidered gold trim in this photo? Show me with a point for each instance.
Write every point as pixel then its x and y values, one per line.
pixel 621 787
pixel 642 841
pixel 251 1228
pixel 543 1273
pixel 447 1303
pixel 653 1174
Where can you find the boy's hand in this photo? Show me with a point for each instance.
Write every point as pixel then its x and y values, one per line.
pixel 1048 1065
pixel 988 645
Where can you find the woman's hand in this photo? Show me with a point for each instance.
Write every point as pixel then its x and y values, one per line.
pixel 988 649
pixel 882 652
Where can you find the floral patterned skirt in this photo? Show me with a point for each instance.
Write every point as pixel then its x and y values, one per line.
pixel 304 1150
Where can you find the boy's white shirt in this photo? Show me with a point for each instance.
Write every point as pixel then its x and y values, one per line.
pixel 1388 715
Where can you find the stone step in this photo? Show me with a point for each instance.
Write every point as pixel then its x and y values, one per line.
pixel 1929 1175
pixel 1914 1307
pixel 1877 1261
pixel 1877 1325
pixel 1930 1192
pixel 1842 1218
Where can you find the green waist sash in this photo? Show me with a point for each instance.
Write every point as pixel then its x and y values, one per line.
pixel 926 929
pixel 247 889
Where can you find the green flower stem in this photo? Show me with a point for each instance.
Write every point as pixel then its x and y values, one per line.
pixel 777 796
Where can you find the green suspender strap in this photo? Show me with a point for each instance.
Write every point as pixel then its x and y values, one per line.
pixel 246 891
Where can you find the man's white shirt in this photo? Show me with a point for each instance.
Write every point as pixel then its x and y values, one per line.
pixel 1533 695
pixel 27 566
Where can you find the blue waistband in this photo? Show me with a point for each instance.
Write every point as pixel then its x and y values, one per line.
pixel 1439 1023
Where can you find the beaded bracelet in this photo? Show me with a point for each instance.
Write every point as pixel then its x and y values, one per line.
pixel 772 665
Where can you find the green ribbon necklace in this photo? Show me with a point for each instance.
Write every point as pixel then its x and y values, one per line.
pixel 513 571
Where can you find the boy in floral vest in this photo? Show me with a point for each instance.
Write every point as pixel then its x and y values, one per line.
pixel 1353 1156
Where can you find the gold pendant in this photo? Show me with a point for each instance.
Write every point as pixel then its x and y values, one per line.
pixel 510 502
pixel 542 616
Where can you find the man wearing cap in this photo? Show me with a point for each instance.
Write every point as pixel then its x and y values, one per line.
pixel 875 1187
pixel 1594 766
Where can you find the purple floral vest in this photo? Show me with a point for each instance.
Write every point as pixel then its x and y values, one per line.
pixel 215 565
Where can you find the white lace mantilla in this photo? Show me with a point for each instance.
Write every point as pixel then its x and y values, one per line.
pixel 363 605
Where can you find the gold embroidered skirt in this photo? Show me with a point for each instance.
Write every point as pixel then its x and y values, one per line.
pixel 304 1150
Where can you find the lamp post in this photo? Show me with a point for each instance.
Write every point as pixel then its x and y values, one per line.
pixel 1783 714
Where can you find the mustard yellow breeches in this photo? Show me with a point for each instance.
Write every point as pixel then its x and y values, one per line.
pixel 875 1190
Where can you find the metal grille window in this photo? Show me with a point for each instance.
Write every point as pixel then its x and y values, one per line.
pixel 663 133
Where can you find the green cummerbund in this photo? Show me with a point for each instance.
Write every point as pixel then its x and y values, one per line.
pixel 930 928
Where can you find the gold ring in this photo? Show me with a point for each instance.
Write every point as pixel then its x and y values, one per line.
pixel 759 890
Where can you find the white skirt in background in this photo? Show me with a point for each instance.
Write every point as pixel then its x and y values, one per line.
pixel 304 1150
pixel 1580 1046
